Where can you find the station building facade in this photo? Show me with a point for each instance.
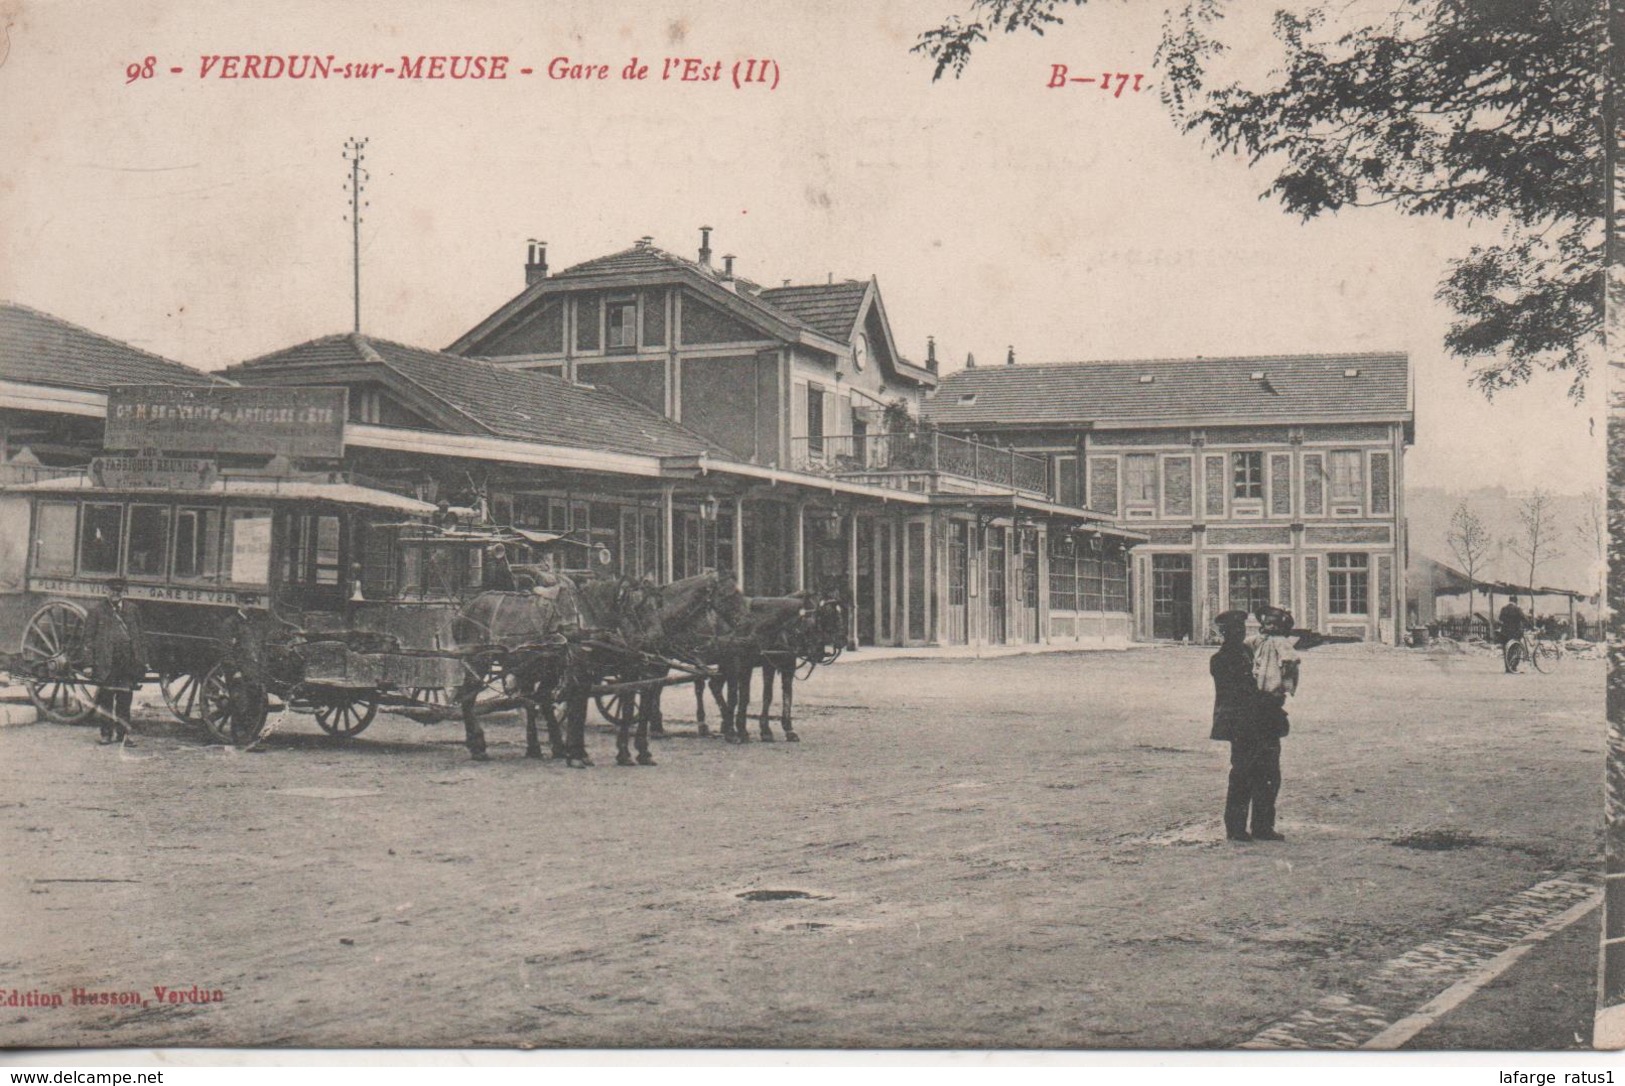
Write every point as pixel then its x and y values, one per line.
pixel 1254 481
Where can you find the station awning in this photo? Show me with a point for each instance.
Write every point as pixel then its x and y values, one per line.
pixel 1020 504
pixel 232 486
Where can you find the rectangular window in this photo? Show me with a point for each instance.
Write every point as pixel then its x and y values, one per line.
pixel 99 532
pixel 1114 582
pixel 147 551
pixel 1348 481
pixel 1249 582
pixel 1069 489
pixel 247 546
pixel 312 550
pixel 621 325
pixel 1347 583
pixel 957 565
pixel 1247 474
pixel 54 531
pixel 815 419
pixel 1063 572
pixel 1139 479
pixel 1091 578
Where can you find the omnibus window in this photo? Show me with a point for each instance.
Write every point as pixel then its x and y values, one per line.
pixel 53 543
pixel 147 552
pixel 247 546
pixel 311 554
pixel 99 532
pixel 197 544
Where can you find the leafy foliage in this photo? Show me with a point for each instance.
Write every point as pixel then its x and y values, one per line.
pixel 1476 109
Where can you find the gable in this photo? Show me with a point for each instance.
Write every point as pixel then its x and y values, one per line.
pixel 874 326
pixel 703 323
pixel 539 332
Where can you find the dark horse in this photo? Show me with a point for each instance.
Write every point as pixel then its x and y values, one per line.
pixel 555 651
pixel 536 643
pixel 780 634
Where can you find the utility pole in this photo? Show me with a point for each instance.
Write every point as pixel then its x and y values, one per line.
pixel 353 154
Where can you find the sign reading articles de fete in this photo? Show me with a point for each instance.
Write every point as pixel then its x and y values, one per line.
pixel 270 421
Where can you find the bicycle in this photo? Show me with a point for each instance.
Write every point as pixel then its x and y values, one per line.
pixel 1543 653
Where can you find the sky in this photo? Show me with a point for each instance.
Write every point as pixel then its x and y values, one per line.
pixel 204 219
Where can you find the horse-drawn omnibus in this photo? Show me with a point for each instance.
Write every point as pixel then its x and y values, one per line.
pixel 239 580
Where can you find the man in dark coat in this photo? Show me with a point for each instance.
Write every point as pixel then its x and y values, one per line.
pixel 1513 622
pixel 117 649
pixel 1240 717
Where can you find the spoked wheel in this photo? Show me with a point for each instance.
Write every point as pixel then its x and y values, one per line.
pixel 347 717
pixel 614 705
pixel 59 689
pixel 183 693
pixel 494 694
pixel 233 705
pixel 1547 656
pixel 1515 656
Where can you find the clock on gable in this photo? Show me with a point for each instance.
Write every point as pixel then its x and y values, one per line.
pixel 860 351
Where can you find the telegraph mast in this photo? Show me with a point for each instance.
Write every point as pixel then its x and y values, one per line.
pixel 353 154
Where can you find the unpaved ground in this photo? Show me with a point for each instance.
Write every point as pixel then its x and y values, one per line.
pixel 1014 852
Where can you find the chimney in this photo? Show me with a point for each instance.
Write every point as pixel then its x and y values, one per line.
pixel 536 263
pixel 931 353
pixel 970 361
pixel 728 266
pixel 705 246
pixel 1010 356
pixel 645 241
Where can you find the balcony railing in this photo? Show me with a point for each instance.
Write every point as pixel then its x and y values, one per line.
pixel 922 453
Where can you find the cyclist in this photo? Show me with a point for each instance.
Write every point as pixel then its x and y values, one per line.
pixel 1513 623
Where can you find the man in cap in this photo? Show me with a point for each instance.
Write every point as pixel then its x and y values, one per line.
pixel 117 647
pixel 1239 717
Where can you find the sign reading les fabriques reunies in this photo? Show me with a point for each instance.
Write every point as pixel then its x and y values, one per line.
pixel 270 421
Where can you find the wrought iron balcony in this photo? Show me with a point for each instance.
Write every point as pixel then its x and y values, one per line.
pixel 922 461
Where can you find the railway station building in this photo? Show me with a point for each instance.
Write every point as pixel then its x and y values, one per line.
pixel 1254 481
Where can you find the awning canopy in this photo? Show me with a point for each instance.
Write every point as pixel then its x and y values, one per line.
pixel 1017 504
pixel 233 486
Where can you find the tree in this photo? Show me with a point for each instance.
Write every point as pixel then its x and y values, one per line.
pixel 1472 545
pixel 1591 535
pixel 1478 109
pixel 1537 543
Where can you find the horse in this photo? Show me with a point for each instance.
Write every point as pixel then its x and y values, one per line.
pixel 781 634
pixel 690 614
pixel 636 627
pixel 532 637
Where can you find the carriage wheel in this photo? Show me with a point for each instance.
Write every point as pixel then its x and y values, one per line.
pixel 1546 657
pixel 60 690
pixel 183 692
pixel 347 717
pixel 233 705
pixel 613 705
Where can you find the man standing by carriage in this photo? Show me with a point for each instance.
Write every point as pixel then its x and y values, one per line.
pixel 116 646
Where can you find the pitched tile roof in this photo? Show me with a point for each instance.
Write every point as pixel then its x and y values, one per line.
pixel 39 349
pixel 1292 388
pixel 502 401
pixel 830 308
